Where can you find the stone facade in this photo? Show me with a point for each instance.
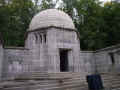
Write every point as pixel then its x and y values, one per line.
pixel 108 59
pixel 102 61
pixel 89 64
pixel 15 61
pixel 45 54
pixel 48 48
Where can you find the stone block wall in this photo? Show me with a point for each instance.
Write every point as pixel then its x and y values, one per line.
pixel 102 61
pixel 59 39
pixel 89 64
pixel 45 46
pixel 15 62
pixel 107 60
pixel 36 42
pixel 42 53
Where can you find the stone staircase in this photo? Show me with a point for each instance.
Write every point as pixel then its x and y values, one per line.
pixel 57 81
pixel 46 81
pixel 111 81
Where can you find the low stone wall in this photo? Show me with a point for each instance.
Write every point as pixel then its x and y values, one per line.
pixel 1 59
pixel 102 61
pixel 89 64
pixel 15 61
pixel 108 60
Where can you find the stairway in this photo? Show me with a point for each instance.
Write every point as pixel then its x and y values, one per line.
pixel 111 81
pixel 46 81
pixel 57 81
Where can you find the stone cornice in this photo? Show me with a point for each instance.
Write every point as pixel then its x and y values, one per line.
pixel 17 48
pixel 43 29
pixel 46 28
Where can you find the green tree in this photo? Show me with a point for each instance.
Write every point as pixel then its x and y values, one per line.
pixel 111 16
pixel 89 24
pixel 86 15
pixel 46 4
pixel 14 21
pixel 98 25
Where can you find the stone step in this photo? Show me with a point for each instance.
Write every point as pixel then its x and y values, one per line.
pixel 49 78
pixel 54 76
pixel 51 75
pixel 110 79
pixel 115 85
pixel 110 76
pixel 47 81
pixel 48 86
pixel 112 85
pixel 115 88
pixel 70 87
pixel 58 80
pixel 58 74
pixel 41 83
pixel 113 82
pixel 64 86
pixel 79 88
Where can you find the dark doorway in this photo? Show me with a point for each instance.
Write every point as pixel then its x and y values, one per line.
pixel 63 60
pixel 112 58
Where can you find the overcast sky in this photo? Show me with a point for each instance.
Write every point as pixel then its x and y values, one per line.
pixel 105 0
pixel 61 0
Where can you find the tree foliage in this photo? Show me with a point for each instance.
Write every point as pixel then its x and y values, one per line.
pixel 14 20
pixel 98 24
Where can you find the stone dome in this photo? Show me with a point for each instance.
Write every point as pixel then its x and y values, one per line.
pixel 51 17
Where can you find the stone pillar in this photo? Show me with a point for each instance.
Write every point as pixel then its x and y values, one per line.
pixel 1 59
pixel 42 53
pixel 52 51
pixel 30 45
pixel 71 60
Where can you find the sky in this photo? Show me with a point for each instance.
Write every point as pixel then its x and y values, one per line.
pixel 99 0
pixel 105 0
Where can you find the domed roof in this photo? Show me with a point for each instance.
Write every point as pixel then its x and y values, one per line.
pixel 51 17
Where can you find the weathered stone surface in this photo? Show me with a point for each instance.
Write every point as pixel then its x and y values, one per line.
pixel 1 57
pixel 51 81
pixel 104 62
pixel 41 56
pixel 51 17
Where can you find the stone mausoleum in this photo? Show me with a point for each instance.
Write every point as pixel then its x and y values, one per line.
pixel 52 45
